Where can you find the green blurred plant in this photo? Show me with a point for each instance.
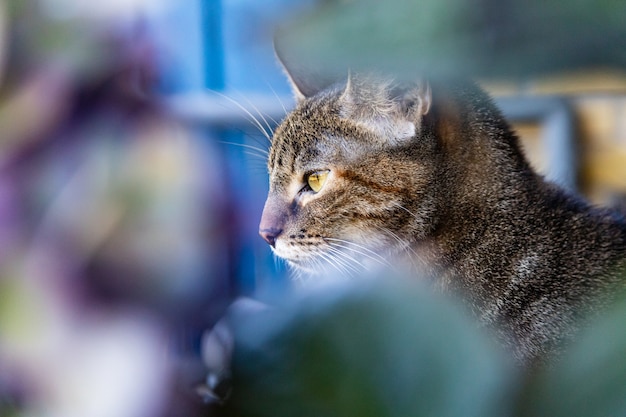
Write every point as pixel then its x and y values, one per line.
pixel 399 350
pixel 381 350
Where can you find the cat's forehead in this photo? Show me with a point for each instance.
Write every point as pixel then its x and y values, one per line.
pixel 346 122
pixel 311 136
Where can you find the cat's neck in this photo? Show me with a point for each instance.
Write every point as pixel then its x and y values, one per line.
pixel 491 204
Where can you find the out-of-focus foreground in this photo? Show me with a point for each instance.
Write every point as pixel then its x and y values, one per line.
pixel 113 218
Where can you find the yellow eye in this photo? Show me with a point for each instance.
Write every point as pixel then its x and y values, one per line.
pixel 317 179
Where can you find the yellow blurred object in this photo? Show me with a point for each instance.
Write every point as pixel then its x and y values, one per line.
pixel 580 83
pixel 598 101
pixel 33 109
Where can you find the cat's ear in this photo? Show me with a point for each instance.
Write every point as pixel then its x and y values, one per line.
pixel 304 82
pixel 424 98
pixel 393 112
pixel 411 105
pixel 415 100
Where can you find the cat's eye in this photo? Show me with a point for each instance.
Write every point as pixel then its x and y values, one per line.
pixel 316 180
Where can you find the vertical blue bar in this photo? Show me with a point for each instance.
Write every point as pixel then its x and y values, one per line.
pixel 214 45
pixel 241 271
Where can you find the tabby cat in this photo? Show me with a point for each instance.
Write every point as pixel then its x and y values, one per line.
pixel 367 172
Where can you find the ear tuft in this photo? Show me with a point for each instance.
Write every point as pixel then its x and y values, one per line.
pixel 346 96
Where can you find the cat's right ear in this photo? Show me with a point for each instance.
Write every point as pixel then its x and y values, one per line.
pixel 417 100
pixel 424 97
pixel 304 81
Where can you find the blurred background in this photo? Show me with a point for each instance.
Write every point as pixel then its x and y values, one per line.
pixel 130 196
pixel 132 173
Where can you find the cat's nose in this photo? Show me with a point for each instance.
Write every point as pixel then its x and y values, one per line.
pixel 270 235
pixel 272 220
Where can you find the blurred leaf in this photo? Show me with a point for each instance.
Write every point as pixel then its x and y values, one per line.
pixel 590 380
pixel 372 351
pixel 478 38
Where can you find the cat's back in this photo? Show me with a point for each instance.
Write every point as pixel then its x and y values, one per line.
pixel 564 262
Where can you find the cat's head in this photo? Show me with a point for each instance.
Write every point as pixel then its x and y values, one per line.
pixel 351 170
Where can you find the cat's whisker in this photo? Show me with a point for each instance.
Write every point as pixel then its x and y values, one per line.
pixel 334 262
pixel 400 206
pixel 346 259
pixel 254 120
pixel 255 155
pixel 362 250
pixel 248 135
pixel 258 170
pixel 269 127
pixel 377 259
pixel 321 263
pixel 278 98
pixel 297 274
pixel 342 251
pixel 337 250
pixel 348 242
pixel 260 151
pixel 407 249
pixel 277 259
pixel 258 139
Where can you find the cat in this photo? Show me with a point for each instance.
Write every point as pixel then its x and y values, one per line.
pixel 367 171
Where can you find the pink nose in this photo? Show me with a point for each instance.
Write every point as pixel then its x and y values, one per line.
pixel 270 235
pixel 272 220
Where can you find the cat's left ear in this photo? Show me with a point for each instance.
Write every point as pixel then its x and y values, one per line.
pixel 304 81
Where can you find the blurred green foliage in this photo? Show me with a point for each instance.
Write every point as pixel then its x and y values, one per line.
pixel 476 38
pixel 590 379
pixel 368 351
pixel 399 350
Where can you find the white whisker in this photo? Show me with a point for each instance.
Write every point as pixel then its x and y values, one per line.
pixel 334 262
pixel 402 244
pixel 258 139
pixel 396 204
pixel 253 118
pixel 362 250
pixel 345 259
pixel 257 167
pixel 276 261
pixel 278 98
pixel 406 247
pixel 261 151
pixel 338 254
pixel 297 274
pixel 269 127
pixel 255 155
